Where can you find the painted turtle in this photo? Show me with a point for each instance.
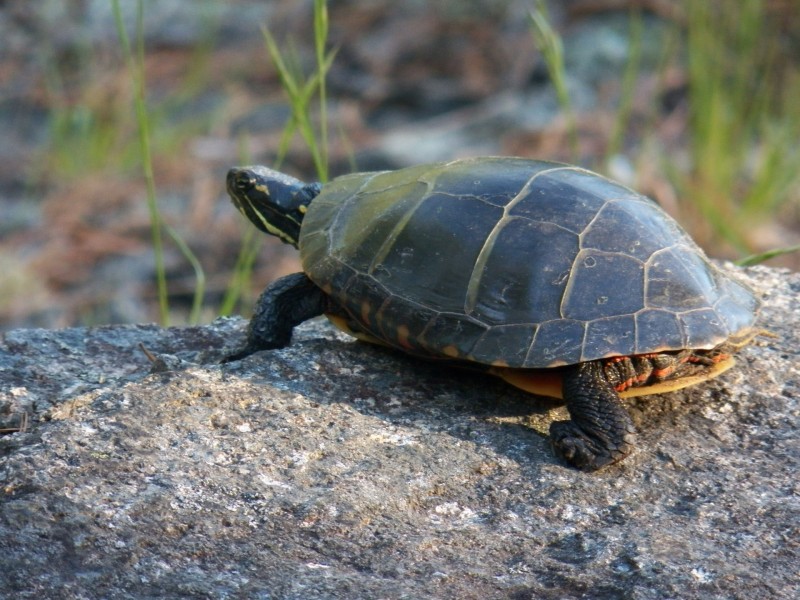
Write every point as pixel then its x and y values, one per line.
pixel 559 280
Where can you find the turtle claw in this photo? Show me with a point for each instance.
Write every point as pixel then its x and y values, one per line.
pixel 585 452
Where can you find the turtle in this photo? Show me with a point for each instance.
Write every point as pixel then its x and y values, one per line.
pixel 556 279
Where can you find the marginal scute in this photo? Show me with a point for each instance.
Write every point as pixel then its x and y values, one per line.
pixel 702 325
pixel 556 343
pixel 736 306
pixel 653 327
pixel 508 343
pixel 450 351
pixel 452 329
pixel 611 336
pixel 524 263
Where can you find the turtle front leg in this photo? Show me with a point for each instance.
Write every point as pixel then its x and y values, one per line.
pixel 285 304
pixel 601 432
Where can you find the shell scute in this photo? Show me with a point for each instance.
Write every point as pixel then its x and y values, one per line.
pixel 556 343
pixel 498 295
pixel 679 279
pixel 603 284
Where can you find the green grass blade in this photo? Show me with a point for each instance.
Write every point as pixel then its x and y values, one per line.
pixel 323 64
pixel 744 118
pixel 135 65
pixel 301 90
pixel 552 49
pixel 242 271
pixel 199 275
pixel 136 69
pixel 287 79
pixel 756 259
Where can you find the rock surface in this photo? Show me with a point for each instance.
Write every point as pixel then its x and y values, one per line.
pixel 339 470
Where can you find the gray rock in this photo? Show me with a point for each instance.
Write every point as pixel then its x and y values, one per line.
pixel 334 469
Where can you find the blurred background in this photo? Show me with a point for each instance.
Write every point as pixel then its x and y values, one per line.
pixel 692 103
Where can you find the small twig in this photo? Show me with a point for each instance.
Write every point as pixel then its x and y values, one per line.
pixel 23 426
pixel 150 356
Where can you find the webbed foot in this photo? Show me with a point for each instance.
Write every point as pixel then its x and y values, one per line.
pixel 583 451
pixel 286 303
pixel 601 431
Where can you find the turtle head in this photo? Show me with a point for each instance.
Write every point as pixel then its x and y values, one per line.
pixel 272 201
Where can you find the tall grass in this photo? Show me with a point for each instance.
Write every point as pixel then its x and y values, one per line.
pixel 91 125
pixel 136 69
pixel 135 65
pixel 308 101
pixel 306 93
pixel 552 48
pixel 744 118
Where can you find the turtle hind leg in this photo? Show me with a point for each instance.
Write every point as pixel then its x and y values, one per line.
pixel 600 432
pixel 285 304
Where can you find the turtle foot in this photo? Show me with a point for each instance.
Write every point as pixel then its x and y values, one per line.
pixel 286 303
pixel 584 451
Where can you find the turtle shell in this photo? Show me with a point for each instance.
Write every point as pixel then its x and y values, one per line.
pixel 515 262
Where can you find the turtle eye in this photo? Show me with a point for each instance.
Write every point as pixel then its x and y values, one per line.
pixel 243 182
